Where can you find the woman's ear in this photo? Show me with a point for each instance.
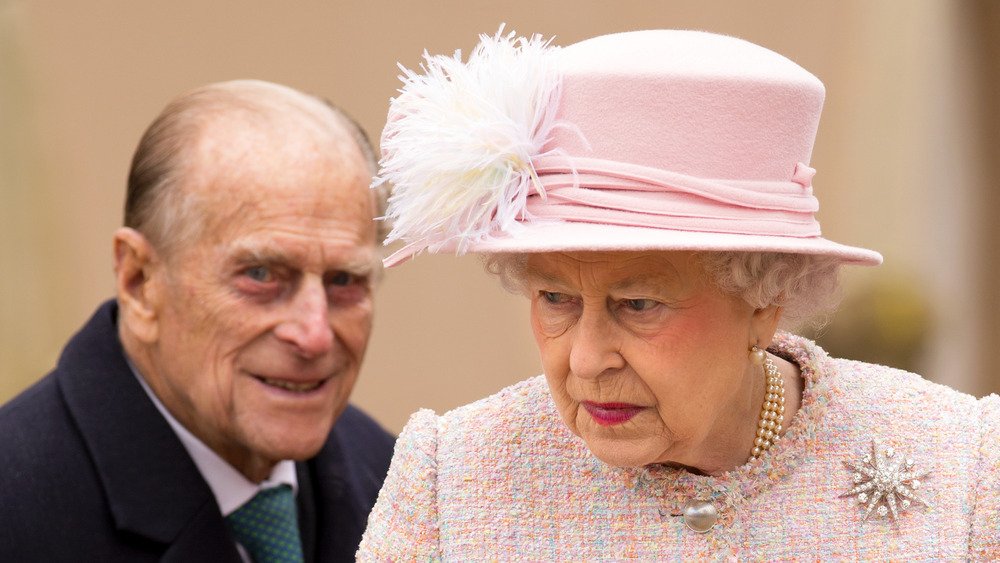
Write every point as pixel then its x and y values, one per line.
pixel 764 324
pixel 137 272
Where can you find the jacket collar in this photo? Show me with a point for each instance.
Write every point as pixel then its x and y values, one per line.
pixel 153 488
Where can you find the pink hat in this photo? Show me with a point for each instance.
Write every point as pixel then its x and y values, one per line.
pixel 649 140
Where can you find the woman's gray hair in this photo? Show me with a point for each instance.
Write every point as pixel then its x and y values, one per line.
pixel 806 286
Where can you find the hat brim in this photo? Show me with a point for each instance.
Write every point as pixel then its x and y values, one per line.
pixel 564 236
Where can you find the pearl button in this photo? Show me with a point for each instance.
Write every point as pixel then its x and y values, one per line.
pixel 700 515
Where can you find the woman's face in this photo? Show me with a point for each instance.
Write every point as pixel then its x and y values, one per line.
pixel 645 358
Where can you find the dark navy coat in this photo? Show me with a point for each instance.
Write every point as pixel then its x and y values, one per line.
pixel 91 471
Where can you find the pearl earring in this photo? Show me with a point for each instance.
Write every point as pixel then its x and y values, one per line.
pixel 757 356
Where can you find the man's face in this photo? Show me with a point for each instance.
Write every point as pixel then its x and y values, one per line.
pixel 263 320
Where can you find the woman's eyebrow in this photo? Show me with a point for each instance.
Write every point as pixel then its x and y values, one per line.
pixel 659 279
pixel 544 277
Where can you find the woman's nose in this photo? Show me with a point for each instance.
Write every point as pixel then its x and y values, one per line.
pixel 596 347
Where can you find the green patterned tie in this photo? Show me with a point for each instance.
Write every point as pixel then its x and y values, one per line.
pixel 268 527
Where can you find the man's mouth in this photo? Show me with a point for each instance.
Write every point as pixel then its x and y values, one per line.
pixel 294 387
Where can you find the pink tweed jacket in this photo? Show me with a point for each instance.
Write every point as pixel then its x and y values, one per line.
pixel 502 479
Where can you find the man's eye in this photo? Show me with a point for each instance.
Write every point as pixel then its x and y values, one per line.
pixel 259 274
pixel 342 279
pixel 640 304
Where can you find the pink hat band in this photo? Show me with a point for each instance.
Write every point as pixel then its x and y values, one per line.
pixel 590 190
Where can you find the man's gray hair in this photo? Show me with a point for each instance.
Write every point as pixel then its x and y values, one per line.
pixel 154 203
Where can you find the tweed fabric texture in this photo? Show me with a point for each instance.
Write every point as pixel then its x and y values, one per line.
pixel 503 479
pixel 268 527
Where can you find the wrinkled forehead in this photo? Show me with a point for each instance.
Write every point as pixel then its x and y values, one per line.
pixel 278 147
pixel 617 269
pixel 249 134
pixel 258 172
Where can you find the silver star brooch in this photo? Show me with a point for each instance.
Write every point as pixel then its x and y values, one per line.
pixel 885 483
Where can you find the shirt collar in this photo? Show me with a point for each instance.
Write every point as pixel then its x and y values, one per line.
pixel 231 489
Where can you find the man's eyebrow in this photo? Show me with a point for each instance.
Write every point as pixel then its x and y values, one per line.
pixel 262 254
pixel 360 263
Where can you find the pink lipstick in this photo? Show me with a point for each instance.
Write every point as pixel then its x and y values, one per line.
pixel 610 414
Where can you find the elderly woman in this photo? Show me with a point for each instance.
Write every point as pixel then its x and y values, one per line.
pixel 650 194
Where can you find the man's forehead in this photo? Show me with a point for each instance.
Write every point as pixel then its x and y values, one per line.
pixel 267 167
pixel 226 162
pixel 245 141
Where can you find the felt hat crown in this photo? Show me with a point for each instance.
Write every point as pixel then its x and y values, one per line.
pixel 647 140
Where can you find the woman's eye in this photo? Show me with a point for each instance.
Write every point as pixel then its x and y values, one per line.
pixel 553 297
pixel 259 274
pixel 640 304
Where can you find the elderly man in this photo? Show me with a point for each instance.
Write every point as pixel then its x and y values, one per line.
pixel 203 415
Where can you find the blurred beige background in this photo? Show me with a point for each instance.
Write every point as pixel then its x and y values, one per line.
pixel 906 141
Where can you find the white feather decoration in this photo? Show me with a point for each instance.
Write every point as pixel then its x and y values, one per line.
pixel 460 140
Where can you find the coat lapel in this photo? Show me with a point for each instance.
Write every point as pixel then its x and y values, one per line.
pixel 341 510
pixel 307 512
pixel 153 488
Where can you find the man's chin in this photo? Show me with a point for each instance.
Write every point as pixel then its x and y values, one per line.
pixel 296 446
pixel 277 432
pixel 258 465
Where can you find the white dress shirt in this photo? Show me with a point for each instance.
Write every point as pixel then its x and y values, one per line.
pixel 231 489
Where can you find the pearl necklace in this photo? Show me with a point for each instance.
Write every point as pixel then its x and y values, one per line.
pixel 772 412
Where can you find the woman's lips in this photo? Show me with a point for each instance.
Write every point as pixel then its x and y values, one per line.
pixel 610 414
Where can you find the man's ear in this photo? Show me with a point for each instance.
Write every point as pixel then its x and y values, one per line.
pixel 764 324
pixel 138 270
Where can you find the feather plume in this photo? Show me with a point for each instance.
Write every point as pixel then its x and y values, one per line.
pixel 460 139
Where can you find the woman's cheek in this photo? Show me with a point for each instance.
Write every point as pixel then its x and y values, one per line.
pixel 551 321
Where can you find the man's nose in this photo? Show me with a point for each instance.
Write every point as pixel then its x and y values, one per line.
pixel 307 327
